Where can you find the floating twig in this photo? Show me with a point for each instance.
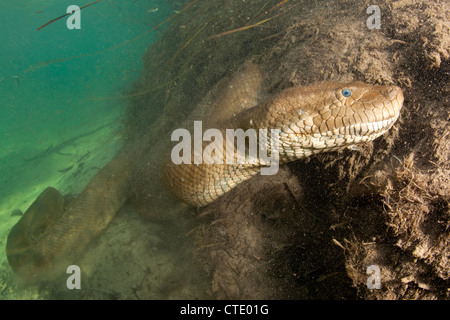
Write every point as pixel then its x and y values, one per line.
pixel 244 28
pixel 277 6
pixel 262 8
pixel 65 15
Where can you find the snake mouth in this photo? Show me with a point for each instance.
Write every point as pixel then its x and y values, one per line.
pixel 348 136
pixel 358 132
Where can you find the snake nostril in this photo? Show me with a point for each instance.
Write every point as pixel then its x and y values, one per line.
pixel 393 93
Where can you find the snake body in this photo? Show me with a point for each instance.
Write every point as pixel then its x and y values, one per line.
pixel 309 120
pixel 326 116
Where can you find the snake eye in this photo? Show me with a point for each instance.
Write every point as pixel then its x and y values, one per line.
pixel 346 92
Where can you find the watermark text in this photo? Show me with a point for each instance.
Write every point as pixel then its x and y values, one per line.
pixel 259 147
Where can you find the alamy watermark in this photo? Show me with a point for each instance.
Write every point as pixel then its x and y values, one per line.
pixel 74 21
pixel 191 150
pixel 374 279
pixel 374 20
pixel 74 280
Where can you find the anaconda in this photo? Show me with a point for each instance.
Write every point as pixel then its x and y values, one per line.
pixel 321 117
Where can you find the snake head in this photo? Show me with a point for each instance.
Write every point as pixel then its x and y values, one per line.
pixel 330 116
pixel 362 110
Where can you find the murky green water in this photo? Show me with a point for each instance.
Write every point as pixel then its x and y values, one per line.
pixel 61 96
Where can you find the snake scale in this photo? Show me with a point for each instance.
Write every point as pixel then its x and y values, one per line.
pixel 326 116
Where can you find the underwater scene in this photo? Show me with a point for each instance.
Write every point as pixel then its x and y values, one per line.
pixel 225 149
